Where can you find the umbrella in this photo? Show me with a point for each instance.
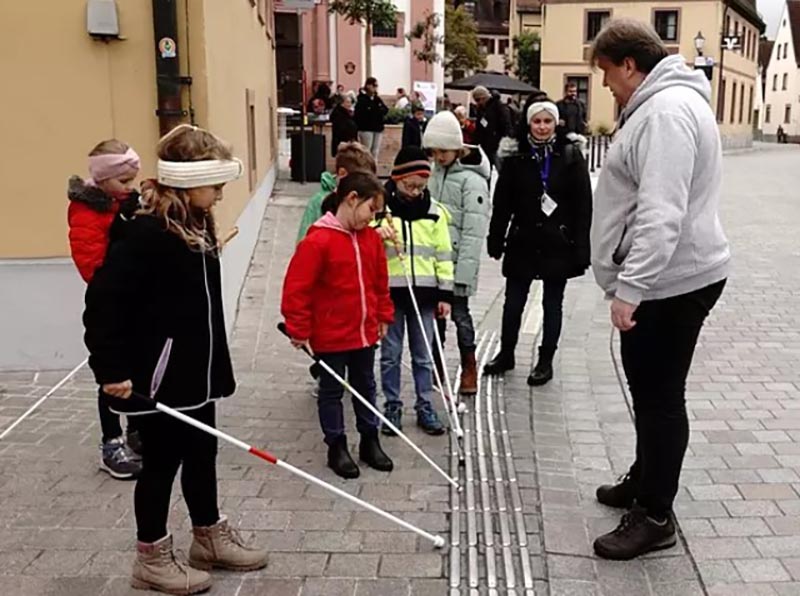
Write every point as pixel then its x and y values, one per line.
pixel 494 81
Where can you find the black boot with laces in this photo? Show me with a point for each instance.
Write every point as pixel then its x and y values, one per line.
pixel 620 495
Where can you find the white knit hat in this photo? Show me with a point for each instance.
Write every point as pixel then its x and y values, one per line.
pixel 542 106
pixel 443 132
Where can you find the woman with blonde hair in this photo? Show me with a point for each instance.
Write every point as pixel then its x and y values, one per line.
pixel 161 282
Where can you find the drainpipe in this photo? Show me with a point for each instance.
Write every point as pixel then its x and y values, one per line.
pixel 720 107
pixel 170 110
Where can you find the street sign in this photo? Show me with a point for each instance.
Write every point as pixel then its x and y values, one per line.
pixel 295 4
pixel 703 61
pixel 732 42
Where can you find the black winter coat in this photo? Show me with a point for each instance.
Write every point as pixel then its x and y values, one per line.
pixel 492 124
pixel 535 245
pixel 344 128
pixel 369 113
pixel 412 132
pixel 151 287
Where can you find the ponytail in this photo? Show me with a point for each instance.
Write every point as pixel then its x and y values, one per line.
pixel 366 186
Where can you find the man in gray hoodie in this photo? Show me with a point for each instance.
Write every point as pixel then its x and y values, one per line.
pixel 661 257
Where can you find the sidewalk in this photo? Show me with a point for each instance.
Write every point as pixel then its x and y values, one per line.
pixel 535 457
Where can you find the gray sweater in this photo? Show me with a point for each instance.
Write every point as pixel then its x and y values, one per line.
pixel 656 231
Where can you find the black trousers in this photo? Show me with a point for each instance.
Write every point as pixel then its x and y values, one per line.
pixel 110 426
pixel 656 355
pixel 168 444
pixel 517 289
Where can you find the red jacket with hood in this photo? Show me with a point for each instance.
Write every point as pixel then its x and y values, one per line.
pixel 336 289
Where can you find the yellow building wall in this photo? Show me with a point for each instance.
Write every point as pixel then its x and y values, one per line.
pixel 61 94
pixel 564 52
pixel 238 56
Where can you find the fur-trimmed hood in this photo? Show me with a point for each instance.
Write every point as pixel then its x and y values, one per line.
pixel 92 196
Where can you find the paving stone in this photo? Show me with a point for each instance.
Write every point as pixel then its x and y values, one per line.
pixel 417 565
pixel 761 570
pixel 274 587
pixel 705 549
pixel 351 565
pixel 734 527
pixel 778 546
pixel 767 492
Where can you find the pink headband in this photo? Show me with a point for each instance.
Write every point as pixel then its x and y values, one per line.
pixel 104 167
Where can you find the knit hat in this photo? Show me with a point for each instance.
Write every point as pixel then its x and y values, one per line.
pixel 443 132
pixel 542 106
pixel 411 161
pixel 479 92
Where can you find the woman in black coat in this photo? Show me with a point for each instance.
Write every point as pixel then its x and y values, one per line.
pixel 343 124
pixel 540 222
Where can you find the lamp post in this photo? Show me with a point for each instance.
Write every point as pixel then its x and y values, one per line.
pixel 701 63
pixel 699 43
pixel 537 46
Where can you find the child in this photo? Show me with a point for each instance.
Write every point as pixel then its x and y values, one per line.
pixel 420 227
pixel 94 205
pixel 460 181
pixel 162 280
pixel 350 158
pixel 336 302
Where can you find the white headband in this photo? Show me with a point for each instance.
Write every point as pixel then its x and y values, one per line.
pixel 543 106
pixel 194 174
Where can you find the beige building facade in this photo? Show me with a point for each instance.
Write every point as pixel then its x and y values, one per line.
pixel 65 90
pixel 570 26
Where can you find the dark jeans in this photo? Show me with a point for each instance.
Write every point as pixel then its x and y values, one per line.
pixel 517 290
pixel 168 444
pixel 110 426
pixel 465 328
pixel 357 366
pixel 657 354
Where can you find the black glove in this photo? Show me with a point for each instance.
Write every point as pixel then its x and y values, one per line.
pixel 495 249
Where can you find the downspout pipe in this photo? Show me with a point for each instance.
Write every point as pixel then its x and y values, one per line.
pixel 170 109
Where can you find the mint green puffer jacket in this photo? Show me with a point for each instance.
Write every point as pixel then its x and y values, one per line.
pixel 463 188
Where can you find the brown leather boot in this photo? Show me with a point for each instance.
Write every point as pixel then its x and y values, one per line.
pixel 156 568
pixel 469 374
pixel 222 547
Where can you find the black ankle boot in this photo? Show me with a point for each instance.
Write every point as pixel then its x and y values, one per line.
pixel 543 371
pixel 620 495
pixel 371 453
pixel 501 363
pixel 340 461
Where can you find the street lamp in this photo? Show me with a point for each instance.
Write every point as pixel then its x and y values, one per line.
pixel 699 43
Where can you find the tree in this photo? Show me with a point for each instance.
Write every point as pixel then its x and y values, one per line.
pixel 527 57
pixel 369 14
pixel 461 52
pixel 425 31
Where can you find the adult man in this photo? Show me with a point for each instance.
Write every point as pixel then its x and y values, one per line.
pixel 572 110
pixel 659 253
pixel 493 121
pixel 369 113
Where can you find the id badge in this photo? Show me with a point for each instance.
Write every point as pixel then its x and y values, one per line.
pixel 548 205
pixel 484 122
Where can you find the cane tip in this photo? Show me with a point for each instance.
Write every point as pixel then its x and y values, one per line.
pixel 438 542
pixel 462 407
pixel 462 462
pixel 459 433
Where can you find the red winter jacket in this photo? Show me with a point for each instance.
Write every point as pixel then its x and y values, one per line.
pixel 90 215
pixel 336 289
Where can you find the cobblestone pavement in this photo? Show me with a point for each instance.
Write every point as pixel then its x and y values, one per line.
pixel 68 529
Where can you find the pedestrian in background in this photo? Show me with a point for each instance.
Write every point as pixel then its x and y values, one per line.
pixel 343 124
pixel 414 126
pixel 370 113
pixel 493 121
pixel 660 255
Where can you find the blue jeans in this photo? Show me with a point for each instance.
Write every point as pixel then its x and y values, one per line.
pixel 392 353
pixel 359 366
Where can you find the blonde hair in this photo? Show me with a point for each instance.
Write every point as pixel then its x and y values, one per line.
pixel 196 228
pixel 109 147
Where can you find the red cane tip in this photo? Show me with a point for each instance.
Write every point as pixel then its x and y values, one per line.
pixel 264 455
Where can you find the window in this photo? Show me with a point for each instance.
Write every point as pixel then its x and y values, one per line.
pixel 582 83
pixel 595 20
pixel 750 109
pixel 666 24
pixel 486 44
pixel 768 114
pixel 721 102
pixel 785 49
pixel 774 82
pixel 785 81
pixel 787 115
pixel 741 103
pixel 733 103
pixel 389 32
pixel 502 46
pixel 727 25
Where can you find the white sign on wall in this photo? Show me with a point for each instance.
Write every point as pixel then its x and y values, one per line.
pixel 427 91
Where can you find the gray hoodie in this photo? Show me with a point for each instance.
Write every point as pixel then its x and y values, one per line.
pixel 656 232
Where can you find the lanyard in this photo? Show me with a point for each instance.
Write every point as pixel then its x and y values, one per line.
pixel 545 170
